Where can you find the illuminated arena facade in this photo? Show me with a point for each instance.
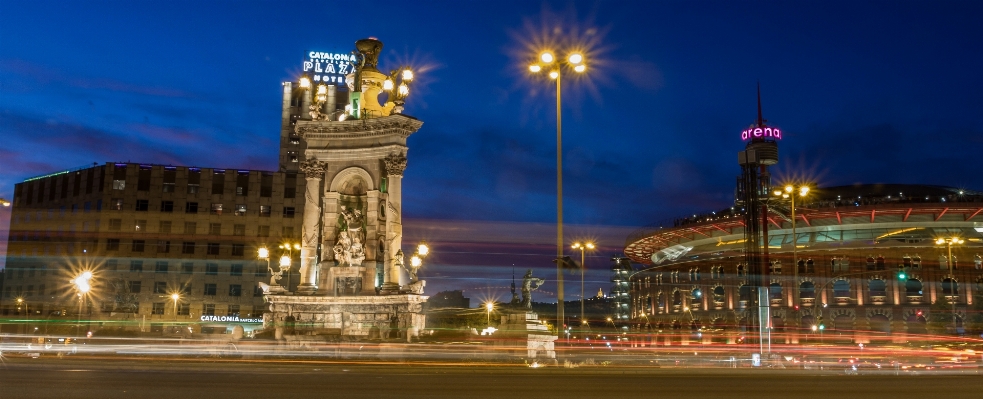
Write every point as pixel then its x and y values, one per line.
pixel 851 242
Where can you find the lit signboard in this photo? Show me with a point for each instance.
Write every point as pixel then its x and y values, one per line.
pixel 231 319
pixel 328 68
pixel 761 133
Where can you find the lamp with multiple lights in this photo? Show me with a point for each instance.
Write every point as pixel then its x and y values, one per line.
pixel 583 268
pixel 546 61
pixel 949 242
pixel 789 193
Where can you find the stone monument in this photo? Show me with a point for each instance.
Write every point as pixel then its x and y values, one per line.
pixel 351 255
pixel 521 330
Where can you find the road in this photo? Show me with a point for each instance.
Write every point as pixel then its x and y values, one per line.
pixel 109 377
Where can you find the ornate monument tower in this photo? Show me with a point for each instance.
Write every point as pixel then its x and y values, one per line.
pixel 351 255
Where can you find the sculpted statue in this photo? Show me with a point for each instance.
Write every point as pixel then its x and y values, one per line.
pixel 413 272
pixel 529 283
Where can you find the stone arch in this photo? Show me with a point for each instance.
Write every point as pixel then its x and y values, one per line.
pixel 718 293
pixel 843 319
pixel 347 181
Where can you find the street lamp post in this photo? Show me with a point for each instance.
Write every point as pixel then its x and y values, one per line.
pixel 290 254
pixel 547 61
pixel 583 269
pixel 790 194
pixel 949 242
pixel 489 306
pixel 175 297
pixel 83 285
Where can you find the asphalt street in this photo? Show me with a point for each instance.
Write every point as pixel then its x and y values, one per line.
pixel 22 377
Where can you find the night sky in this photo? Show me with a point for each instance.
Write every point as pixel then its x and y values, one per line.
pixel 874 92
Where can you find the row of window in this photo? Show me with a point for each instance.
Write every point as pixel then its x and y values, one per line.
pixel 211 269
pixel 187 247
pixel 837 264
pixel 116 204
pixel 136 287
pixel 163 227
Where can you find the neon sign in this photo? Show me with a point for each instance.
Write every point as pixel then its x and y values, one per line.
pixel 234 319
pixel 329 68
pixel 761 133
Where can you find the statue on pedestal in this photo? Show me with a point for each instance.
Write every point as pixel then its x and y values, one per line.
pixel 349 249
pixel 529 283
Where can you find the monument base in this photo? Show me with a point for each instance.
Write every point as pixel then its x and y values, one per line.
pixel 523 332
pixel 365 317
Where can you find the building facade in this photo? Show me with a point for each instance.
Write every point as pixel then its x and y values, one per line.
pixel 146 232
pixel 864 264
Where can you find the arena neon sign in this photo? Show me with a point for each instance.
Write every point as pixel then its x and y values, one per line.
pixel 761 133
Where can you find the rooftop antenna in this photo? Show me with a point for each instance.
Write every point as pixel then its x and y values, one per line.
pixel 761 119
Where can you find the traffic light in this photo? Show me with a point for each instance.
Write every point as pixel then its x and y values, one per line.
pixel 819 321
pixel 902 276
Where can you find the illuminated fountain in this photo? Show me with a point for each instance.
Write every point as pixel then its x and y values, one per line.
pixel 352 260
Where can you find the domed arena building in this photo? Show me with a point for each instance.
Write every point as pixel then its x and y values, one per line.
pixel 868 263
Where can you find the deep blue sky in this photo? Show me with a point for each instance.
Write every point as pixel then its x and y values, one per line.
pixel 866 92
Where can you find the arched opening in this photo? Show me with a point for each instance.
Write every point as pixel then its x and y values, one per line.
pixel 949 287
pixel 802 266
pixel 777 324
pixel 881 264
pixel 870 263
pixel 807 322
pixel 843 323
pixel 841 289
pixel 810 266
pixel 775 291
pixel 744 295
pixel 662 302
pixel 807 290
pixel 677 301
pixel 720 324
pixel 878 288
pixel 718 294
pixel 913 287
pixel 916 324
pixel 676 325
pixel 880 323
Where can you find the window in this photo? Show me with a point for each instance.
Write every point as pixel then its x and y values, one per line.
pixel 119 184
pixel 266 185
pixel 841 289
pixel 134 287
pixel 163 247
pixel 257 290
pixel 136 266
pixel 238 249
pixel 233 311
pixel 216 209
pixel 140 225
pixel 265 210
pixel 187 268
pixel 240 210
pixel 188 247
pixel 164 227
pixel 212 248
pixel 138 245
pixel 239 230
pixel 191 207
pixel 218 182
pixel 215 229
pixel 192 188
pixel 161 267
pixel 160 287
pixel 211 269
pixel 235 270
pixel 210 289
pixel 112 244
pixel 115 204
pixel 168 188
pixel 288 231
pixel 111 265
pixel 235 290
pixel 877 287
pixel 143 205
pixel 289 192
pixel 167 206
pixel 183 309
pixel 208 309
pixel 190 227
pixel 288 211
pixel 260 271
pixel 115 224
pixel 41 289
pixel 158 308
pixel 263 231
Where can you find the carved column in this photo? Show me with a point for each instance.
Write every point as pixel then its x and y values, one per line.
pixel 314 173
pixel 395 164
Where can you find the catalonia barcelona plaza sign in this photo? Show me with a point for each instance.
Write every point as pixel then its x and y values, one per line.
pixel 329 68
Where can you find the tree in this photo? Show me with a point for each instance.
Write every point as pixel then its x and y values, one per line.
pixel 940 316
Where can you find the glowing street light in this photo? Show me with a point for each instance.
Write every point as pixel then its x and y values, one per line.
pixel 489 306
pixel 583 268
pixel 175 296
pixel 788 194
pixel 83 285
pixel 4 202
pixel 949 242
pixel 575 61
